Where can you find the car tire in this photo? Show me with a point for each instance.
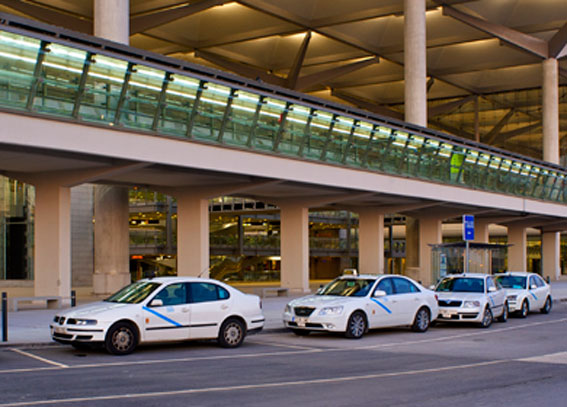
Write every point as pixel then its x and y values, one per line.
pixel 300 332
pixel 356 325
pixel 525 310
pixel 422 320
pixel 487 318
pixel 121 338
pixel 232 333
pixel 547 306
pixel 505 312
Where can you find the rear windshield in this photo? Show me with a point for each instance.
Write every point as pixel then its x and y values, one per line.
pixel 462 285
pixel 515 282
pixel 134 293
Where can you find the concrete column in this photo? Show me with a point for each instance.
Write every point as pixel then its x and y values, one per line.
pixel 52 259
pixel 112 239
pixel 294 245
pixel 415 63
pixel 551 255
pixel 550 107
pixel 112 20
pixel 517 253
pixel 412 243
pixel 481 234
pixel 430 232
pixel 370 241
pixel 111 259
pixel 192 235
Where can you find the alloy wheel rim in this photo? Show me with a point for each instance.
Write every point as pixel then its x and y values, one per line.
pixel 122 339
pixel 357 326
pixel 232 333
pixel 422 320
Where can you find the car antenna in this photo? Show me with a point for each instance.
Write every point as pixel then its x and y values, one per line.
pixel 203 272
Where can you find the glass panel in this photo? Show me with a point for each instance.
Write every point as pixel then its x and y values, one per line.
pixel 243 117
pixel 18 56
pixel 293 131
pixel 318 134
pixel 359 142
pixel 144 89
pixel 379 146
pixel 102 89
pixel 268 123
pixel 339 139
pixel 60 77
pixel 179 100
pixel 210 112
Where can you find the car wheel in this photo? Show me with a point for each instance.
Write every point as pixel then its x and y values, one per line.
pixel 525 310
pixel 232 333
pixel 356 325
pixel 547 306
pixel 300 332
pixel 421 321
pixel 487 318
pixel 504 316
pixel 121 338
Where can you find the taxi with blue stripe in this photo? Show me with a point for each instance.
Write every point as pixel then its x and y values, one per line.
pixel 525 292
pixel 352 304
pixel 471 297
pixel 162 309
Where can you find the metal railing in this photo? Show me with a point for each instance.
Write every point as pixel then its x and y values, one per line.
pixel 57 73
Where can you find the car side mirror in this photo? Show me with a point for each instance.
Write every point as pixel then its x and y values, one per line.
pixel 432 287
pixel 491 289
pixel 533 286
pixel 156 303
pixel 380 293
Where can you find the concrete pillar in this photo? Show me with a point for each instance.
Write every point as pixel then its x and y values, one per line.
pixel 550 255
pixel 294 243
pixel 415 63
pixel 481 234
pixel 517 253
pixel 550 107
pixel 370 241
pixel 112 240
pixel 111 21
pixel 192 235
pixel 52 259
pixel 430 232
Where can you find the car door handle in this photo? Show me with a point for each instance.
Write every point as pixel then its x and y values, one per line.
pixel 184 309
pixel 224 306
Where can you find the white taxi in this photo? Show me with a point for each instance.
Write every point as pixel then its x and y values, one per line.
pixel 161 309
pixel 471 298
pixel 352 304
pixel 526 292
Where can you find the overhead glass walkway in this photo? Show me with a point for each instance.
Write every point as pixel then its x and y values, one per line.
pixel 52 72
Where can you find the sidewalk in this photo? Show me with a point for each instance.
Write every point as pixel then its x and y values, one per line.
pixel 31 327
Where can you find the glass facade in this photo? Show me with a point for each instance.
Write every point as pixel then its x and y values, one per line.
pixel 48 78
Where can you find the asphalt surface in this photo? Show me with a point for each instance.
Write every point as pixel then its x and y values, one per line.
pixel 522 362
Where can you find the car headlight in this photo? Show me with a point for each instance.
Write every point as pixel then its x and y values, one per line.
pixel 512 297
pixel 288 309
pixel 471 304
pixel 76 321
pixel 331 310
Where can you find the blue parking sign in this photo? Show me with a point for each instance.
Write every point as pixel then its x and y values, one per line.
pixel 468 227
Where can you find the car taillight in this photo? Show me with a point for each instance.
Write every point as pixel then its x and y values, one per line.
pixel 260 303
pixel 436 297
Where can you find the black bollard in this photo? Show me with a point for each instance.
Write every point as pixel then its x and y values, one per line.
pixel 4 317
pixel 73 298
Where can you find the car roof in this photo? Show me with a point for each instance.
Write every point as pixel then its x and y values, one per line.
pixel 515 273
pixel 178 279
pixel 468 275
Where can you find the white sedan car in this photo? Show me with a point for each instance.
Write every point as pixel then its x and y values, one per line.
pixel 162 309
pixel 471 298
pixel 353 304
pixel 525 292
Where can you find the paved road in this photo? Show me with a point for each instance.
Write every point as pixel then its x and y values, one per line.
pixel 522 363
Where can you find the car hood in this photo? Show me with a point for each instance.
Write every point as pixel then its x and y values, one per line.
pixel 460 296
pixel 98 309
pixel 322 301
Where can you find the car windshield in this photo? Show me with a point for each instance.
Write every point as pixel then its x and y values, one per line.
pixel 347 287
pixel 516 282
pixel 134 293
pixel 462 285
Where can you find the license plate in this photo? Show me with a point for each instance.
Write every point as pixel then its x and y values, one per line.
pixel 301 322
pixel 446 314
pixel 59 330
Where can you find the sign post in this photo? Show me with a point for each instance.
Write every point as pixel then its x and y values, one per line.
pixel 468 235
